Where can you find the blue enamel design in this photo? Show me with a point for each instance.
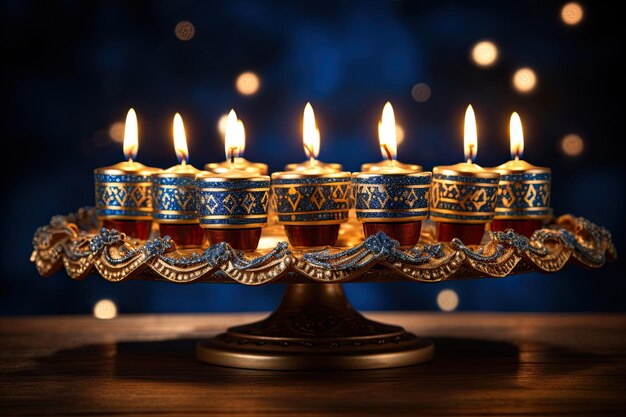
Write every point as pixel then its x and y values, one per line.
pixel 463 199
pixel 523 195
pixel 232 204
pixel 392 197
pixel 174 199
pixel 305 200
pixel 123 196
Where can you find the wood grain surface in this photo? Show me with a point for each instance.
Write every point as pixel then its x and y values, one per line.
pixel 485 364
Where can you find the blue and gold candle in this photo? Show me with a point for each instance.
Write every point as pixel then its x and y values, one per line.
pixel 314 198
pixel 523 201
pixel 232 206
pixel 124 190
pixel 174 191
pixel 392 199
pixel 463 196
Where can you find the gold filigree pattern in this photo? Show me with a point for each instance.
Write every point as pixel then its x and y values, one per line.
pixel 73 244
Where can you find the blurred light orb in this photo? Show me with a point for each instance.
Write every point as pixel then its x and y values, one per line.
pixel 485 53
pixel 572 145
pixel 572 14
pixel 447 300
pixel 421 92
pixel 524 80
pixel 247 83
pixel 399 134
pixel 221 125
pixel 116 132
pixel 185 30
pixel 105 310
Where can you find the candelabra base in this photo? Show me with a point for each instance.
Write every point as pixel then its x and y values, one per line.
pixel 315 328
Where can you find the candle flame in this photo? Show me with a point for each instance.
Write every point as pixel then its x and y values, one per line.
pixel 131 135
pixel 180 140
pixel 517 136
pixel 387 133
pixel 310 133
pixel 470 137
pixel 232 140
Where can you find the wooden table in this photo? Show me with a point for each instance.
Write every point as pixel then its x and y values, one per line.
pixel 500 364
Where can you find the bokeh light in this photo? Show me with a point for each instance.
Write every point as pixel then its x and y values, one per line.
pixel 524 80
pixel 116 132
pixel 447 300
pixel 572 145
pixel 221 125
pixel 485 53
pixel 572 14
pixel 247 83
pixel 185 30
pixel 105 310
pixel 421 92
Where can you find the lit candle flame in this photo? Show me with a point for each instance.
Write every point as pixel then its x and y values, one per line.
pixel 232 142
pixel 470 137
pixel 180 140
pixel 131 135
pixel 310 133
pixel 517 136
pixel 387 133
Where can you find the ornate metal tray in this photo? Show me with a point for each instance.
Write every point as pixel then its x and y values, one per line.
pixel 315 327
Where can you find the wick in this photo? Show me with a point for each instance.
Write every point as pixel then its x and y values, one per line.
pixel 388 152
pixel 231 156
pixel 130 160
pixel 183 162
pixel 517 157
pixel 311 156
pixel 471 153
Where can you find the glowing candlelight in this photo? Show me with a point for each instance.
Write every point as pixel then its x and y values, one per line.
pixel 470 136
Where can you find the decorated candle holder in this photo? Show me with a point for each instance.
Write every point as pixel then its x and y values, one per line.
pixel 312 205
pixel 463 200
pixel 232 207
pixel 175 208
pixel 124 198
pixel 523 200
pixel 393 203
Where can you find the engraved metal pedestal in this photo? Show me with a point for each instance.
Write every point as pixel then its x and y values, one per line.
pixel 315 328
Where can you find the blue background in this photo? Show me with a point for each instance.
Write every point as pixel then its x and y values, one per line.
pixel 72 68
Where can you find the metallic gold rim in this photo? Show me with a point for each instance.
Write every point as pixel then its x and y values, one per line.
pixel 472 184
pixel 370 174
pixel 172 221
pixel 457 171
pixel 213 177
pixel 324 184
pixel 124 217
pixel 460 213
pixel 123 168
pixel 521 217
pixel 411 210
pixel 233 226
pixel 122 208
pixel 519 167
pixel 391 219
pixel 447 220
pixel 503 182
pixel 312 223
pixel 528 209
pixel 294 175
pixel 295 213
pixel 107 184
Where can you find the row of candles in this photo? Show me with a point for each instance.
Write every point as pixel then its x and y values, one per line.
pixel 229 201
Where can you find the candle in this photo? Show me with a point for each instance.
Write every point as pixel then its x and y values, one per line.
pixel 232 205
pixel 124 190
pixel 240 163
pixel 390 198
pixel 392 149
pixel 174 195
pixel 523 200
pixel 314 199
pixel 311 143
pixel 464 195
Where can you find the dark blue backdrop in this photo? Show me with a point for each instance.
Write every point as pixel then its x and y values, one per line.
pixel 73 68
